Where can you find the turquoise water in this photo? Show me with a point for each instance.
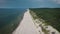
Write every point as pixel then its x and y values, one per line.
pixel 9 19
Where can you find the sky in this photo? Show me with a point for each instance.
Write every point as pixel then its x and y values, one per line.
pixel 29 3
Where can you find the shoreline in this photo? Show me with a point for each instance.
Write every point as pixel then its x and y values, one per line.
pixel 26 26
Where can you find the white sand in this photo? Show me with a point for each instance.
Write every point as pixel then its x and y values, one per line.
pixel 26 26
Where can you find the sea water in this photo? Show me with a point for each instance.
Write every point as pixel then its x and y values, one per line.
pixel 10 19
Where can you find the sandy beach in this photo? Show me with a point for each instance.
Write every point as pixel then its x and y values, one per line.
pixel 26 26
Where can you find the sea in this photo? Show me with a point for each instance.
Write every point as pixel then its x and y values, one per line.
pixel 10 18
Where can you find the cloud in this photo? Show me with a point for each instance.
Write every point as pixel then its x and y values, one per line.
pixel 2 1
pixel 37 0
pixel 56 1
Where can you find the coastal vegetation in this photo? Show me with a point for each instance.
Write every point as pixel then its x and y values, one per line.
pixel 50 15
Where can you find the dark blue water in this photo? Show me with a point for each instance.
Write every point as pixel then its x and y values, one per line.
pixel 9 16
